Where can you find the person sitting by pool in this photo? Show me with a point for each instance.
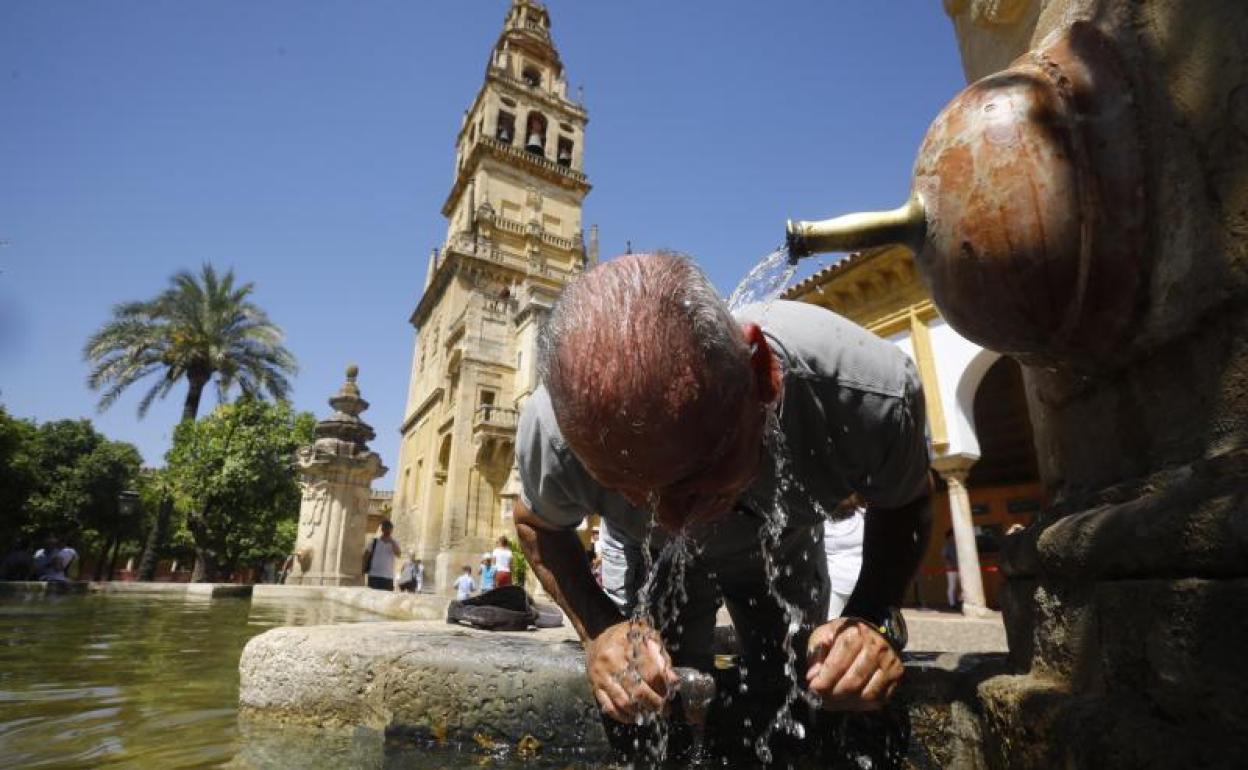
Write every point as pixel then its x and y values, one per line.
pixel 53 561
pixel 655 405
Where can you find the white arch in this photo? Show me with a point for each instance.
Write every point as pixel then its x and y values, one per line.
pixel 964 398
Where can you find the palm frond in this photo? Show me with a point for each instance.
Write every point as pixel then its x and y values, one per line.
pixel 202 324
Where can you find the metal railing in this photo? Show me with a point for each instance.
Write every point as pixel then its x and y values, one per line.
pixel 539 160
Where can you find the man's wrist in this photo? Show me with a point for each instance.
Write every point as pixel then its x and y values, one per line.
pixel 602 619
pixel 888 622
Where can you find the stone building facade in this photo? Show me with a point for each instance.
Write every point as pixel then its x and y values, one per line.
pixel 514 239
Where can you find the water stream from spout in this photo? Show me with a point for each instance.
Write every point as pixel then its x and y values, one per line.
pixel 765 281
pixel 771 536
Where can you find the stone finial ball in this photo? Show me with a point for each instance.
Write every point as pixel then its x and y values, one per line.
pixel 353 371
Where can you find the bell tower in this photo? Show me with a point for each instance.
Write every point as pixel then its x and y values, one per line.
pixel 513 240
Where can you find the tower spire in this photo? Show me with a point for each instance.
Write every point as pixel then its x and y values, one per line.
pixel 514 239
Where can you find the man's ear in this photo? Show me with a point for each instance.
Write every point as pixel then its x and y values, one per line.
pixel 764 366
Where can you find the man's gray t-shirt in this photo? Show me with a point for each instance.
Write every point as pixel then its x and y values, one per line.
pixel 851 417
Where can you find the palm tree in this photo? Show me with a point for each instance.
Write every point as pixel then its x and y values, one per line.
pixel 200 327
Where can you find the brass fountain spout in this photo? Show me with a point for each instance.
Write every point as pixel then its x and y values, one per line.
pixel 905 224
pixel 1027 215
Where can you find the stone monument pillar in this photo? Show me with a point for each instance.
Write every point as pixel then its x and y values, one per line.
pixel 336 472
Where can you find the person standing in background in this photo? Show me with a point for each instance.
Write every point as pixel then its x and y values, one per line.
pixel 407 576
pixel 464 585
pixel 379 558
pixel 488 574
pixel 502 562
pixel 952 582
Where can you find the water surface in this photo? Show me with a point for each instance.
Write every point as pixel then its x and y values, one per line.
pixel 108 681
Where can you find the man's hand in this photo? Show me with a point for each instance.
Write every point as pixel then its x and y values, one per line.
pixel 852 666
pixel 629 670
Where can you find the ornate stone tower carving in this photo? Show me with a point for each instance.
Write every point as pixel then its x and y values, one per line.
pixel 336 472
pixel 514 238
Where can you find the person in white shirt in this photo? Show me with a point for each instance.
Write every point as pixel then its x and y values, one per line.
pixel 407 576
pixel 379 558
pixel 502 562
pixel 842 545
pixel 464 585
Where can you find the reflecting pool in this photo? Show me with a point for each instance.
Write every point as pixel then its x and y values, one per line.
pixel 107 681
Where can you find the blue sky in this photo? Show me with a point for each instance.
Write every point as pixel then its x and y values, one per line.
pixel 309 145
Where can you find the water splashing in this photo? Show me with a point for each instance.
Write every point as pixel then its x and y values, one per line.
pixel 765 282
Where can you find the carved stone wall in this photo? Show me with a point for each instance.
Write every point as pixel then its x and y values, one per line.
pixel 1126 601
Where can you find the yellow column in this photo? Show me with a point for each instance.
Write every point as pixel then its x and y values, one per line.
pixel 925 362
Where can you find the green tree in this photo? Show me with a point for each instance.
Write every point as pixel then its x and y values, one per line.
pixel 233 473
pixel 78 475
pixel 19 475
pixel 200 327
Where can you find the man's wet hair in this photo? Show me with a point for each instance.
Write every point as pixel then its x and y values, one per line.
pixel 644 331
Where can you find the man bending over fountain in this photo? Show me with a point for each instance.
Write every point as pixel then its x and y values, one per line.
pixel 737 434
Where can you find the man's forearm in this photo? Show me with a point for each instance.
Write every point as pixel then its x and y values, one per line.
pixel 892 547
pixel 558 560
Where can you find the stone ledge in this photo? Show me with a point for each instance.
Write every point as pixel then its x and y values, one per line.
pixel 464 687
pixel 450 684
pixel 39 588
pixel 211 590
pixel 400 606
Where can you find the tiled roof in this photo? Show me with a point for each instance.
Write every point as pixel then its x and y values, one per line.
pixel 822 276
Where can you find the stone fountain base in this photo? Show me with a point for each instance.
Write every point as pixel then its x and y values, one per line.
pixel 496 692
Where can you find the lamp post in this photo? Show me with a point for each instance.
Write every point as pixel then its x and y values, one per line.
pixel 127 506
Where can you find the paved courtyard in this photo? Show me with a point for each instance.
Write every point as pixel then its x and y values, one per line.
pixel 932 631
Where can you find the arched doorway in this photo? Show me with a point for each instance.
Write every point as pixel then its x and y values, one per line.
pixel 993 475
pixel 1004 484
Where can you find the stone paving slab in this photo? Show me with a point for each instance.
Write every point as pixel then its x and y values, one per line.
pixel 932 631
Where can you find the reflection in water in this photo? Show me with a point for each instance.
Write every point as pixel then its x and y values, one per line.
pixel 129 681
